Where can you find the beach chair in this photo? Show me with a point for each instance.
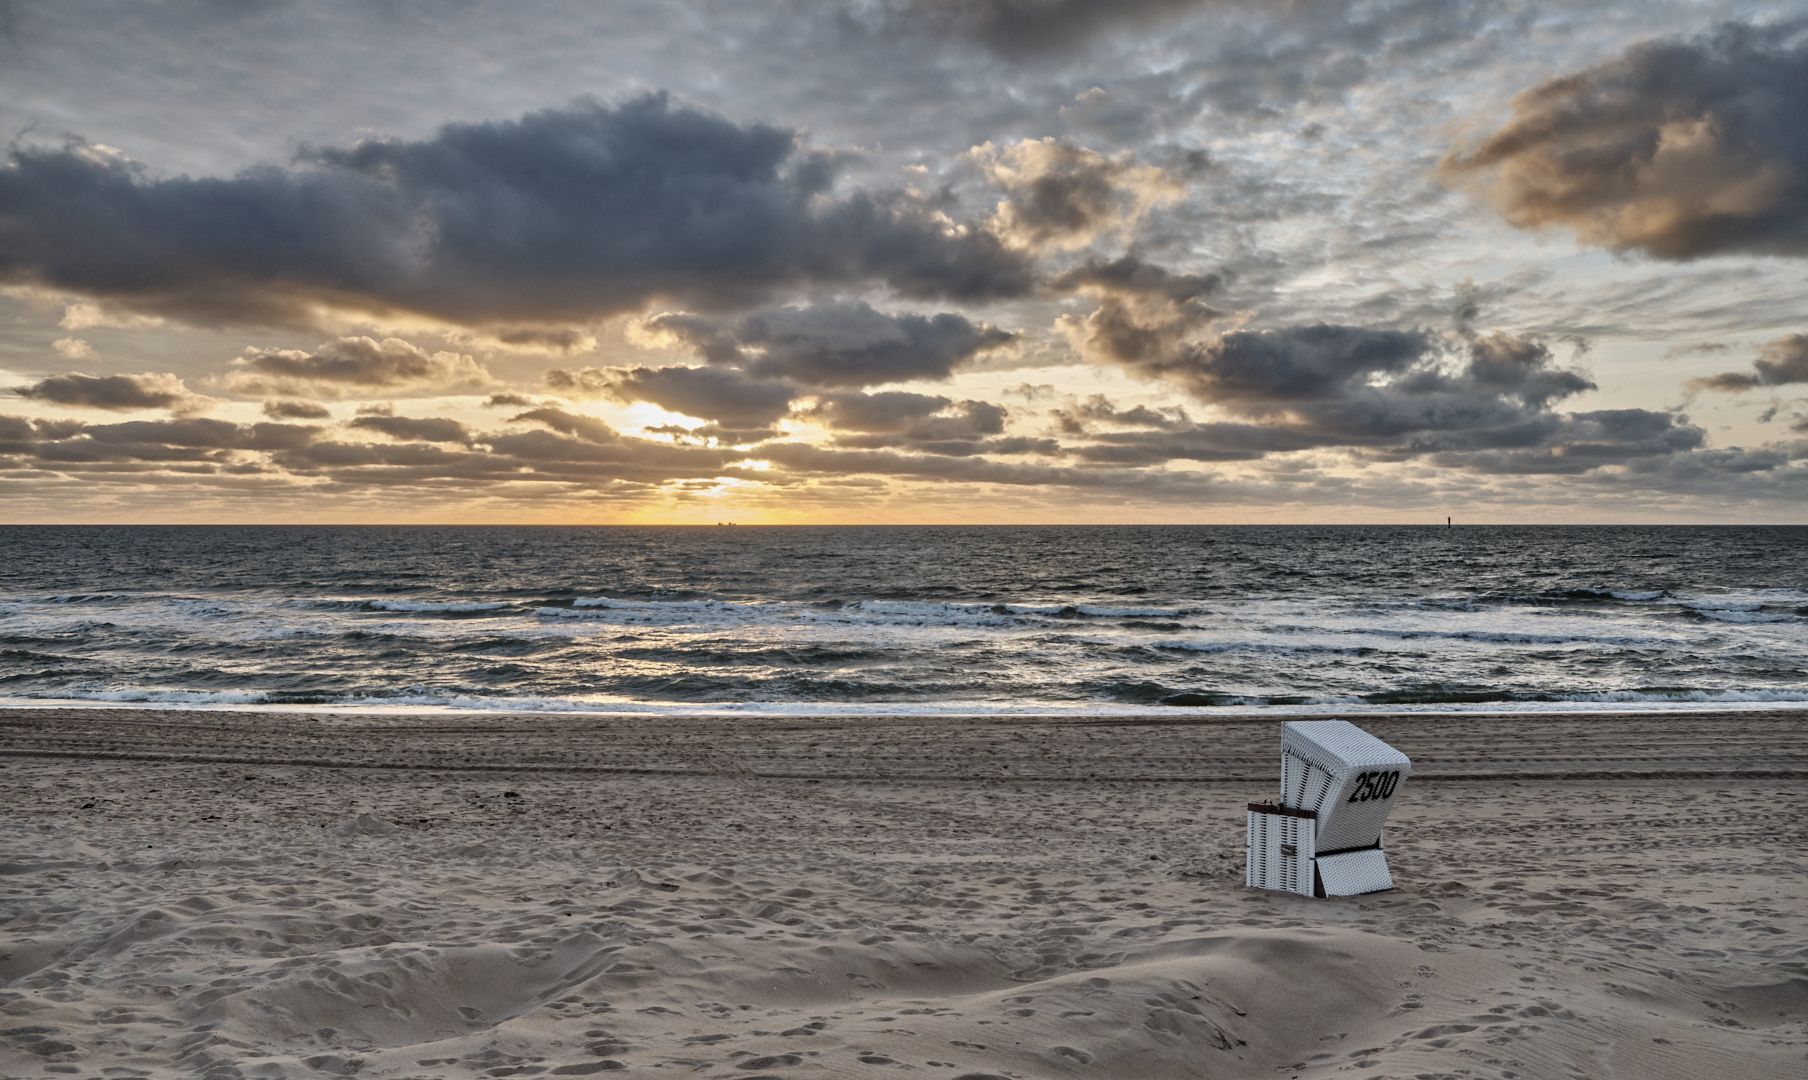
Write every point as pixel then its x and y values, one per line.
pixel 1323 838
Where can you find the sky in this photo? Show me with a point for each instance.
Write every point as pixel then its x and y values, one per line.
pixel 903 261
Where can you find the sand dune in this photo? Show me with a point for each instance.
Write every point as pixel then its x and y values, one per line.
pixel 281 895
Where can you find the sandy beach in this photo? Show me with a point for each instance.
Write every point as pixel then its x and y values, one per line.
pixel 219 894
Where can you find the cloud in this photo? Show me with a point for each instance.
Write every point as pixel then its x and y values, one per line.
pixel 1258 369
pixel 1573 444
pixel 1197 442
pixel 1019 28
pixel 563 215
pixel 890 411
pixel 73 348
pixel 118 393
pixel 727 397
pixel 587 428
pixel 1145 312
pixel 1520 366
pixel 300 457
pixel 292 409
pixel 1779 363
pixel 1131 276
pixel 73 445
pixel 829 344
pixel 923 423
pixel 1098 409
pixel 1703 348
pixel 435 429
pixel 547 340
pixel 1061 196
pixel 712 434
pixel 81 316
pixel 1478 401
pixel 353 365
pixel 1679 149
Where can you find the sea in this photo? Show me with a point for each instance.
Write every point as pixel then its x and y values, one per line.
pixel 897 619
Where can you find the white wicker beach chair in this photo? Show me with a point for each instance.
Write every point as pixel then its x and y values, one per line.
pixel 1338 785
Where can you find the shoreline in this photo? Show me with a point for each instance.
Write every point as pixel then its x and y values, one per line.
pixel 959 711
pixel 402 897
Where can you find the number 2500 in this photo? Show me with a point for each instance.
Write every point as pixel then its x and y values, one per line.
pixel 1375 785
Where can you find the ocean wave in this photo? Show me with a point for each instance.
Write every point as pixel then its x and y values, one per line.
pixel 1746 615
pixel 629 613
pixel 1380 639
pixel 987 612
pixel 401 606
pixel 1226 704
pixel 178 697
pixel 203 609
pixel 1550 598
pixel 908 609
pixel 1682 695
pixel 27 656
pixel 1263 647
pixel 666 607
pixel 428 607
pixel 1742 599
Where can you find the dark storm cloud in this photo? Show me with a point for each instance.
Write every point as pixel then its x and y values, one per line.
pixel 509 401
pixel 564 214
pixel 1199 442
pixel 544 456
pixel 1129 275
pixel 1145 312
pixel 73 444
pixel 712 434
pixel 726 396
pixel 1082 416
pixel 817 460
pixel 117 393
pixel 1779 363
pixel 920 422
pixel 1254 369
pixel 831 344
pixel 589 456
pixel 1319 385
pixel 890 411
pixel 1521 367
pixel 1576 443
pixel 576 425
pixel 1061 195
pixel 1027 27
pixel 572 453
pixel 354 365
pixel 952 445
pixel 292 409
pixel 1386 394
pixel 1678 149
pixel 433 429
pixel 563 340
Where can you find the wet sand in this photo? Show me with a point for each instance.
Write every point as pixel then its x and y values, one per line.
pixel 218 894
